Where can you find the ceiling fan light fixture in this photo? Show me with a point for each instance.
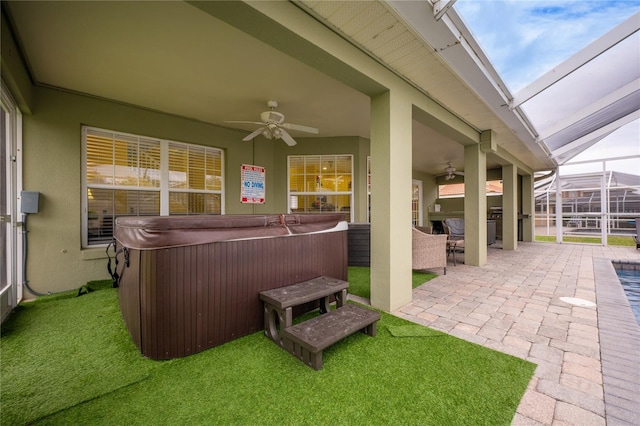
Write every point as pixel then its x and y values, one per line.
pixel 272 117
pixel 274 126
pixel 450 172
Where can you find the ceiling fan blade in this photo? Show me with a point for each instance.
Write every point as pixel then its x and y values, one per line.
pixel 300 128
pixel 253 134
pixel 287 138
pixel 246 122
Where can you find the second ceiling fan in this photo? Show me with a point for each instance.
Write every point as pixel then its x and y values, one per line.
pixel 450 172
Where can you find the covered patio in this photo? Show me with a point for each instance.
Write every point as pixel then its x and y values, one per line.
pixel 403 94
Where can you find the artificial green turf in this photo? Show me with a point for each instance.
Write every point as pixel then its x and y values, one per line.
pixel 101 379
pixel 61 350
pixel 360 281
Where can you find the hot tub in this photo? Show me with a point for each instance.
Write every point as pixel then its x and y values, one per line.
pixel 191 283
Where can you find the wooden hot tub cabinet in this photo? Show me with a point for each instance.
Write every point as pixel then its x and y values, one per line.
pixel 193 282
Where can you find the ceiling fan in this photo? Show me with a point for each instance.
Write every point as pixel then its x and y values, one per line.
pixel 273 126
pixel 450 172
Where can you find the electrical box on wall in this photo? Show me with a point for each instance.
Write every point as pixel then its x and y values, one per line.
pixel 30 200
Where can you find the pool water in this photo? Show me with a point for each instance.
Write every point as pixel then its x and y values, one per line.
pixel 630 281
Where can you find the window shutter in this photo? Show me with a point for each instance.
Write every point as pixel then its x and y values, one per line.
pixel 124 176
pixel 320 183
pixel 99 149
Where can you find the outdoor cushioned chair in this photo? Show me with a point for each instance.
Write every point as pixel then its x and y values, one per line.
pixel 429 251
pixel 455 243
pixel 456 228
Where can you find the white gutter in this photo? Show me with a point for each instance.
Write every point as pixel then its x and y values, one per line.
pixel 461 52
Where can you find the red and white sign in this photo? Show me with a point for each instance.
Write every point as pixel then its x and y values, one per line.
pixel 252 180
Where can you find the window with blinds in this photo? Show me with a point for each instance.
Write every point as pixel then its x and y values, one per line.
pixel 321 184
pixel 129 175
pixel 195 179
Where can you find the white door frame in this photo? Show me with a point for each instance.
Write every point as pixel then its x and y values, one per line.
pixel 418 183
pixel 11 291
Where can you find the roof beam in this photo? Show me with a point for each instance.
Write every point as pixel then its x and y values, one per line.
pixel 591 109
pixel 598 134
pixel 595 49
pixel 440 7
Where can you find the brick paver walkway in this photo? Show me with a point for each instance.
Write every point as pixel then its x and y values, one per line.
pixel 588 357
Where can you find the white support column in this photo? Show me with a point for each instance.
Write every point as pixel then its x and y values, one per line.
pixel 475 205
pixel 509 207
pixel 528 209
pixel 605 207
pixel 559 219
pixel 391 201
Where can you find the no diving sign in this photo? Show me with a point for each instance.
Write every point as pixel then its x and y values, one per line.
pixel 252 190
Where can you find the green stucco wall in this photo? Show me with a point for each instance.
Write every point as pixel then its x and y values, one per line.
pixel 52 146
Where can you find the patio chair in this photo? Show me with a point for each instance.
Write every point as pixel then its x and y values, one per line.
pixel 454 227
pixel 425 229
pixel 637 236
pixel 455 242
pixel 429 251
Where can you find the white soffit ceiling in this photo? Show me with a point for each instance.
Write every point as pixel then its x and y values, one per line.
pixel 405 37
pixel 370 25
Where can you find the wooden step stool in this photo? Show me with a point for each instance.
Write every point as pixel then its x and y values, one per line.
pixel 307 340
pixel 279 302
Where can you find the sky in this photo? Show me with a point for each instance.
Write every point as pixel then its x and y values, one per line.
pixel 524 39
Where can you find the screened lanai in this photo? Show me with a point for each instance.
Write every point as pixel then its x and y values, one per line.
pixel 594 204
pixel 589 96
pixel 586 113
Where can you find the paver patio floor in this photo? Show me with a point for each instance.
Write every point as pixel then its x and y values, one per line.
pixel 588 357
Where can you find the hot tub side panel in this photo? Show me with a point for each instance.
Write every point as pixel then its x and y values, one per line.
pixel 129 294
pixel 197 297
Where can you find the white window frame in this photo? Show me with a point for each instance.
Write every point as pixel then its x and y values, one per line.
pixel 164 189
pixel 417 183
pixel 323 157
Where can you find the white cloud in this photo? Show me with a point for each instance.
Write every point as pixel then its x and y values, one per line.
pixel 526 38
